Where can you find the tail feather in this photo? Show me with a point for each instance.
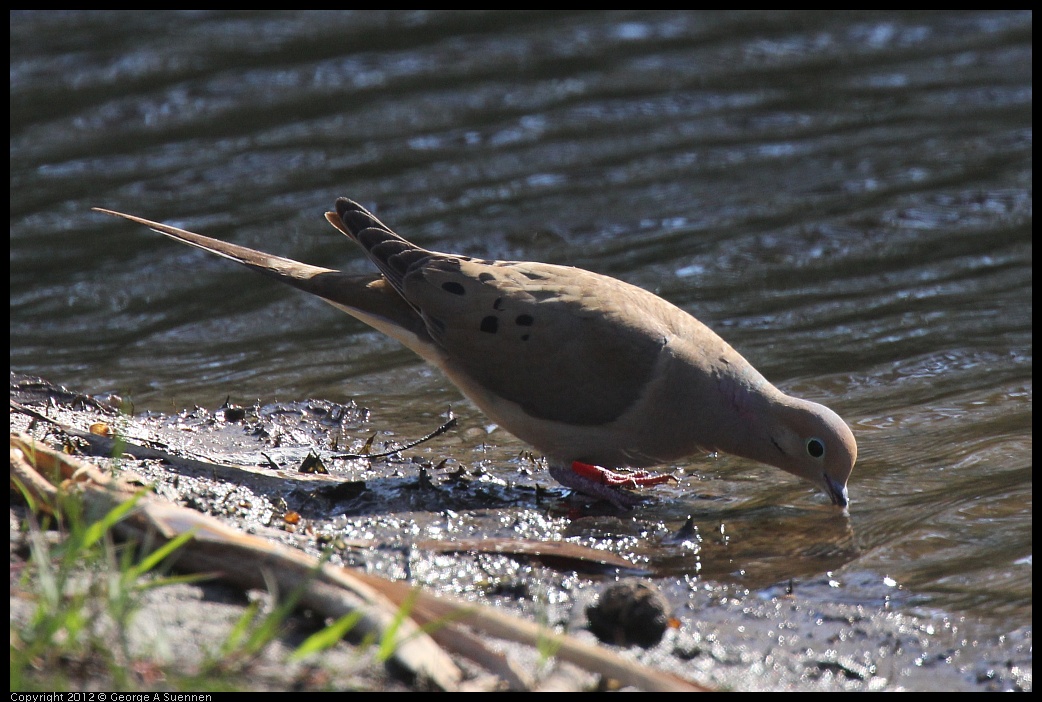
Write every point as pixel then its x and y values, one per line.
pixel 275 266
pixel 365 297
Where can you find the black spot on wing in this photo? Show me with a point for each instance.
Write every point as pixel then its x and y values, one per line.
pixel 453 287
pixel 489 325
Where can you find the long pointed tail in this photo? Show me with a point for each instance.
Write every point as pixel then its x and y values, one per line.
pixel 284 269
pixel 365 297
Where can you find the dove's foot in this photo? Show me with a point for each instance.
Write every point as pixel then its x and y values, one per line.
pixel 605 484
pixel 640 478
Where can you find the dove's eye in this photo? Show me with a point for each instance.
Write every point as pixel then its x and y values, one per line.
pixel 815 448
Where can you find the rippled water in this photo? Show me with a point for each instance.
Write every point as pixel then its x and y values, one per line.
pixel 846 198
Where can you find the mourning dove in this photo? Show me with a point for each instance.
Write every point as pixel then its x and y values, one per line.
pixel 589 370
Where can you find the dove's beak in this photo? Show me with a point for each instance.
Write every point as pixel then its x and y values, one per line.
pixel 836 492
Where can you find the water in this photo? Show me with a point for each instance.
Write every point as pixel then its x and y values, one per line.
pixel 845 197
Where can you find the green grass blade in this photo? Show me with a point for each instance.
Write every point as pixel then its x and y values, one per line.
pixel 153 559
pixel 94 532
pixel 327 637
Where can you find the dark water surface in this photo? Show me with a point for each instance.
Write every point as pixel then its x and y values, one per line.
pixel 846 198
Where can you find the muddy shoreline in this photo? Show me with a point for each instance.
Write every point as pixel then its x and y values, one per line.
pixel 398 516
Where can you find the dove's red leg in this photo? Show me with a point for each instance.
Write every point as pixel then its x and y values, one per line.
pixel 604 476
pixel 605 484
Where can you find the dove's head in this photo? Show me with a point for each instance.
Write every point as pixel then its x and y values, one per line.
pixel 811 441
